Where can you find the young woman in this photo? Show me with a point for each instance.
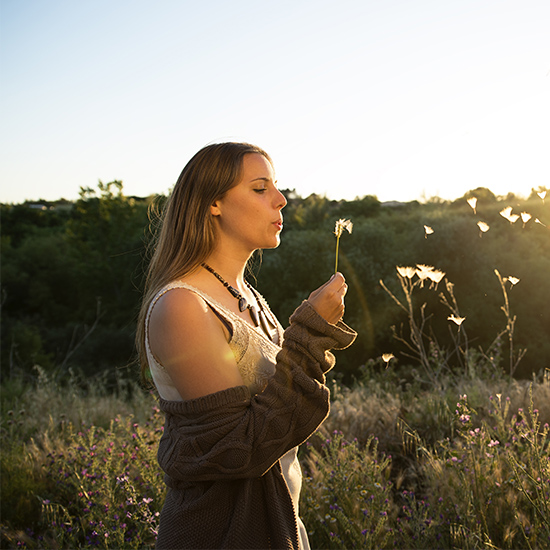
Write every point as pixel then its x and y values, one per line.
pixel 239 394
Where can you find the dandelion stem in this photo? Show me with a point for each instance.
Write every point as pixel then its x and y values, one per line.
pixel 336 263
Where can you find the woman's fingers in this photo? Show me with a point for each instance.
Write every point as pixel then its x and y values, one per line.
pixel 328 300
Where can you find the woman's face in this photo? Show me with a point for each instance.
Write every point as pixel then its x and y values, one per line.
pixel 249 215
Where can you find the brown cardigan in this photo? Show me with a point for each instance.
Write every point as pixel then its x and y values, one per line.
pixel 220 452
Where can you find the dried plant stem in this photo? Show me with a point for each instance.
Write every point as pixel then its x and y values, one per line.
pixel 510 325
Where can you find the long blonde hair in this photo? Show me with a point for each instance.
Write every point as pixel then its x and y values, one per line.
pixel 186 235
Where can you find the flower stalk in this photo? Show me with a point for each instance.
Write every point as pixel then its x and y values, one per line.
pixel 341 224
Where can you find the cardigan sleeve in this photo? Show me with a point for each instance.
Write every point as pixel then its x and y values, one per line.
pixel 231 434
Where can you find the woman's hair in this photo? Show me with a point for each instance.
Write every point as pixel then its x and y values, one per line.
pixel 186 235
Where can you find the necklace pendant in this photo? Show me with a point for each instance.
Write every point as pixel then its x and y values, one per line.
pixel 265 326
pixel 254 315
pixel 242 303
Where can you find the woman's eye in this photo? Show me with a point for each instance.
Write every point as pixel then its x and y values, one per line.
pixel 262 190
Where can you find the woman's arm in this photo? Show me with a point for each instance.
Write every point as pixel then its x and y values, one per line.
pixel 190 342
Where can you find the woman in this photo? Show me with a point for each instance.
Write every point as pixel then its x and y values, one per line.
pixel 239 395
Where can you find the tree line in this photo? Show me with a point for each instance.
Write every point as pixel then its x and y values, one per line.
pixel 72 273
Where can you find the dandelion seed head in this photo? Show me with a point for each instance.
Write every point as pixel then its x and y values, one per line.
pixel 342 224
pixel 507 214
pixel 387 357
pixel 408 272
pixel 455 319
pixel 483 227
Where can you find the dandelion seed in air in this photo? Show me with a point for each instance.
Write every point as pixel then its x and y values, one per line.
pixel 539 222
pixel 341 224
pixel 483 228
pixel 427 231
pixel 542 195
pixel 507 213
pixel 455 319
pixel 525 217
pixel 473 203
pixel 387 357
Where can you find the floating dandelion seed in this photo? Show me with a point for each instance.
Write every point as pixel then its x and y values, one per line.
pixel 525 217
pixel 513 280
pixel 507 213
pixel 542 195
pixel 427 231
pixel 473 203
pixel 538 221
pixel 408 272
pixel 341 224
pixel 387 357
pixel 455 319
pixel 483 228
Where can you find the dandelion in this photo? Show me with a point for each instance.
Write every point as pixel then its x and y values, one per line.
pixel 455 319
pixel 427 231
pixel 341 224
pixel 483 227
pixel 525 217
pixel 408 272
pixel 507 214
pixel 387 357
pixel 473 203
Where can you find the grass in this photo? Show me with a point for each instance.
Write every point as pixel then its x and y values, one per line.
pixel 449 451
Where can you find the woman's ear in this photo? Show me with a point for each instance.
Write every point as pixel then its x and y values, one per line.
pixel 215 209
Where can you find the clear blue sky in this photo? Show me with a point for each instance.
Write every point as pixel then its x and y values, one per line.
pixel 400 99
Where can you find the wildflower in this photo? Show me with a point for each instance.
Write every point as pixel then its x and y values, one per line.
pixel 427 231
pixel 408 272
pixel 493 443
pixel 341 224
pixel 464 418
pixel 429 272
pixel 507 213
pixel 472 201
pixel 483 227
pixel 455 319
pixel 525 217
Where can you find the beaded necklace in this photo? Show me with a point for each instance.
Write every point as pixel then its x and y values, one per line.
pixel 259 317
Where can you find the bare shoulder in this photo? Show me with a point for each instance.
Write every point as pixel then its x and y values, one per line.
pixel 190 342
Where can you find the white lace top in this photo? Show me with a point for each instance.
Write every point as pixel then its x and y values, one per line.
pixel 256 359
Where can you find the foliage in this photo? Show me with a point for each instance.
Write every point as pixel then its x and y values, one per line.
pixel 72 273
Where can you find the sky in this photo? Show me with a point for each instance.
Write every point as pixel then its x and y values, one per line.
pixel 401 99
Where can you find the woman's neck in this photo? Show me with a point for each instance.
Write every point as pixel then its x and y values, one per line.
pixel 230 267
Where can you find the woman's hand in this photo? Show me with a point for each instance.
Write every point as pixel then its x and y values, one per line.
pixel 328 300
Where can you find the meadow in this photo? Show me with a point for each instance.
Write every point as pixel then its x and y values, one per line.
pixel 411 456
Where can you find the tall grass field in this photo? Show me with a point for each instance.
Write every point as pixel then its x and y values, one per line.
pixel 444 449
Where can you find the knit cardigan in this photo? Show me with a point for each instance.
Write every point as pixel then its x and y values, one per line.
pixel 220 453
